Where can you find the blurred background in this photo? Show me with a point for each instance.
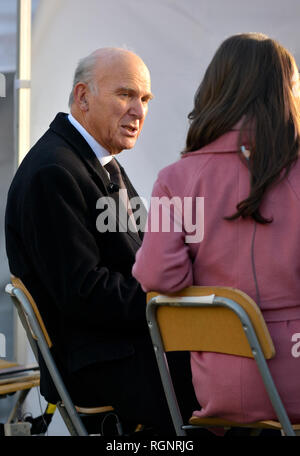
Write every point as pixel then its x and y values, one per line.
pixel 175 38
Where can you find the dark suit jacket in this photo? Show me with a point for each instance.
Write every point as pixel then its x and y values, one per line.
pixel 80 278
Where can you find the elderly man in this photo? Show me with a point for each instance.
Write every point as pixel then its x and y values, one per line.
pixel 78 271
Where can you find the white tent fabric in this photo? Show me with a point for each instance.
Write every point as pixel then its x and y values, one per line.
pixel 176 39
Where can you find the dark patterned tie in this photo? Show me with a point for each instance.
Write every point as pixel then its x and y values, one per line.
pixel 114 171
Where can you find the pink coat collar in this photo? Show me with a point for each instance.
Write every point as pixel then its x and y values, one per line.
pixel 229 142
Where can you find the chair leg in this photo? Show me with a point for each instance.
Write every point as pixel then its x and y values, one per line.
pixel 21 398
pixel 66 419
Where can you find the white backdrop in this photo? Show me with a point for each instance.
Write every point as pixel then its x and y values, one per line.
pixel 175 38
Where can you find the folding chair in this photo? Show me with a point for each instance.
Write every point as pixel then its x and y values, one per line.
pixel 39 338
pixel 213 319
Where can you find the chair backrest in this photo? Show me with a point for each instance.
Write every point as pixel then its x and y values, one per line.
pixel 216 328
pixel 17 283
pixel 215 319
pixel 38 336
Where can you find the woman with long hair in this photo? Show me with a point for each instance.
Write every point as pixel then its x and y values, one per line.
pixel 241 159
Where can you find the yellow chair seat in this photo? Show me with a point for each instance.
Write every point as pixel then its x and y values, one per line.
pixel 219 422
pixel 94 410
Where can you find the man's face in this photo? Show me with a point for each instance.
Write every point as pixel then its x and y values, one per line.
pixel 118 105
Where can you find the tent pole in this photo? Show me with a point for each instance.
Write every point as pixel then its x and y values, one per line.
pixel 22 129
pixel 23 79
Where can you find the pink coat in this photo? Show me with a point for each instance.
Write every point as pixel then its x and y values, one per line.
pixel 230 386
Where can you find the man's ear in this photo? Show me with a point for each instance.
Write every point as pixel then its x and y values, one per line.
pixel 80 96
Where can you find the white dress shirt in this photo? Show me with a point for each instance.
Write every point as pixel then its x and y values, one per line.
pixel 104 157
pixel 102 154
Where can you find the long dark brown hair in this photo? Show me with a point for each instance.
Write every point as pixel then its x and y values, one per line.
pixel 250 78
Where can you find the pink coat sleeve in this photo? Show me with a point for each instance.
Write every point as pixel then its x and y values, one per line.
pixel 163 263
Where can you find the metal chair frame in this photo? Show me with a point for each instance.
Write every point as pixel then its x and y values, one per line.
pixel 200 302
pixel 36 338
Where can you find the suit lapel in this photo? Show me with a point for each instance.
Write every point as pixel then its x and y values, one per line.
pixel 64 128
pixel 139 211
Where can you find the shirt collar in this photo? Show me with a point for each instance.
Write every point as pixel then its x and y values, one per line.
pixel 102 154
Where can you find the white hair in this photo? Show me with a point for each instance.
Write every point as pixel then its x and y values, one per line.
pixel 86 66
pixel 84 73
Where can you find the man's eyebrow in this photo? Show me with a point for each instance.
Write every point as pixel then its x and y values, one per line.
pixel 148 95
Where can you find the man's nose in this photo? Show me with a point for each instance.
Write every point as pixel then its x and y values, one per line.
pixel 138 109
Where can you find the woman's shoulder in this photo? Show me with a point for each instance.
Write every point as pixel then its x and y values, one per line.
pixel 179 177
pixel 186 163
